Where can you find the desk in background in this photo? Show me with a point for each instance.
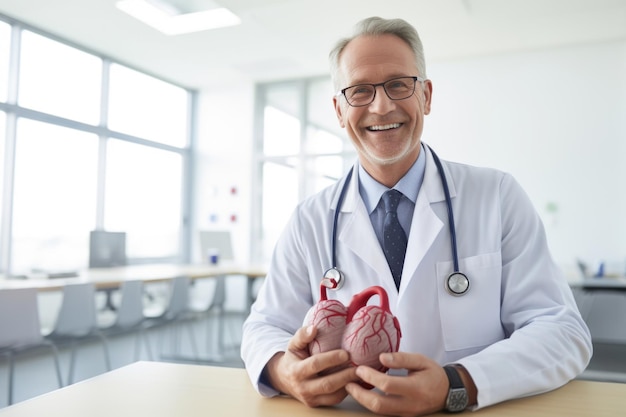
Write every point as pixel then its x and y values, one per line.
pixel 112 278
pixel 158 389
pixel 604 283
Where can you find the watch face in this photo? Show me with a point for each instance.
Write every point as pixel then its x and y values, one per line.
pixel 457 400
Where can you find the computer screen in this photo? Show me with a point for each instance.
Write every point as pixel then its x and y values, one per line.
pixel 216 240
pixel 107 249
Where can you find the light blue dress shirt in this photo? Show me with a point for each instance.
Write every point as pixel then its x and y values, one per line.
pixel 371 192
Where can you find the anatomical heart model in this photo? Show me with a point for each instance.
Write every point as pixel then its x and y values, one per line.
pixel 365 331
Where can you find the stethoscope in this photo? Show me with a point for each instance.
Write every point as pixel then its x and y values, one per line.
pixel 456 284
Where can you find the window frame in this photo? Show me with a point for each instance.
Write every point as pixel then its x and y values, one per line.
pixel 304 159
pixel 14 112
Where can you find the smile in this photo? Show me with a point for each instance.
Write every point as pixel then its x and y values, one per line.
pixel 385 127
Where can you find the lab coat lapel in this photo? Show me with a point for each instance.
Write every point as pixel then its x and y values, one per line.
pixel 426 225
pixel 356 232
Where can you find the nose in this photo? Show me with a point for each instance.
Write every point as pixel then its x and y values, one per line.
pixel 382 104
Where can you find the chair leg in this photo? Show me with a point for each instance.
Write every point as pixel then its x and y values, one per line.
pixel 105 348
pixel 137 346
pixel 11 371
pixel 144 335
pixel 57 365
pixel 192 340
pixel 70 375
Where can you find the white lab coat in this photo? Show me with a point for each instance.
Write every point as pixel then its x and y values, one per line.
pixel 517 331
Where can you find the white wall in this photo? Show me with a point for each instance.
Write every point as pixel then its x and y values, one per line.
pixel 554 118
pixel 224 161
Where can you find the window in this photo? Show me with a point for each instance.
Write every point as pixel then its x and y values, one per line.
pixel 143 198
pixel 302 150
pixel 5 50
pixel 76 166
pixel 143 106
pixel 59 80
pixel 54 203
pixel 2 156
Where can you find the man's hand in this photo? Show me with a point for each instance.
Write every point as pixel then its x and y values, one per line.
pixel 423 391
pixel 299 375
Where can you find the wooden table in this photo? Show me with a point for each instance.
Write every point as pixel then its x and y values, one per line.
pixel 158 389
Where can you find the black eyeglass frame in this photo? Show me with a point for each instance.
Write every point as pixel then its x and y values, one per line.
pixel 415 78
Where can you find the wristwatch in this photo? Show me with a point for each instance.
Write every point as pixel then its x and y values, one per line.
pixel 457 395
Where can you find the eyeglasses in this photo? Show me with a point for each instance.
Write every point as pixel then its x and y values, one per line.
pixel 398 88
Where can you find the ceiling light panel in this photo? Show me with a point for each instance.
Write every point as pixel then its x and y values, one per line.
pixel 169 19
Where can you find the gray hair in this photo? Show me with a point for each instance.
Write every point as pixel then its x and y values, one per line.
pixel 376 26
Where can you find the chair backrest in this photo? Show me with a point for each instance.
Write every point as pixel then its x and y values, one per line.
pixel 179 297
pixel 77 316
pixel 130 311
pixel 209 293
pixel 606 317
pixel 19 318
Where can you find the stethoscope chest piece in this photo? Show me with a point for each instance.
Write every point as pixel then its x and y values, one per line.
pixel 457 284
pixel 333 279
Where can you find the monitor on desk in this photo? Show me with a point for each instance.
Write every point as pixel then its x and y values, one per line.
pixel 107 249
pixel 216 240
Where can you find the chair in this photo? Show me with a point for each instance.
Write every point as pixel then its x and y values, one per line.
pixel 207 302
pixel 77 322
pixel 20 330
pixel 129 316
pixel 605 317
pixel 176 312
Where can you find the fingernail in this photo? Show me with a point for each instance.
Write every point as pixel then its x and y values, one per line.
pixel 309 330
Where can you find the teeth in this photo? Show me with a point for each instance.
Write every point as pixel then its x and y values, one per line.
pixel 385 127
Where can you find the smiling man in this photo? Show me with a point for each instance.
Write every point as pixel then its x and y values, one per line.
pixel 486 315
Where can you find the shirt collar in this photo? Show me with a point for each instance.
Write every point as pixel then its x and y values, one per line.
pixel 371 190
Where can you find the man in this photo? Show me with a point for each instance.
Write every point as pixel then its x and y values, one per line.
pixel 511 329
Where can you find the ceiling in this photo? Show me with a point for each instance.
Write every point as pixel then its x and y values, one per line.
pixel 283 39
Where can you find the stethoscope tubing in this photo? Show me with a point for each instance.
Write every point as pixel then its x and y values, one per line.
pixel 334 277
pixel 451 227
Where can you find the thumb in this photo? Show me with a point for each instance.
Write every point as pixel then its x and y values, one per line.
pixel 302 338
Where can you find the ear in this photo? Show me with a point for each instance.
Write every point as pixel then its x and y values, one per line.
pixel 428 95
pixel 339 110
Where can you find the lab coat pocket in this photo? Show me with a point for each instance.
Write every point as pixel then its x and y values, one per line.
pixel 473 319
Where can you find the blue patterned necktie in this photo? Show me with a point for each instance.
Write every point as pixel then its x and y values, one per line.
pixel 394 238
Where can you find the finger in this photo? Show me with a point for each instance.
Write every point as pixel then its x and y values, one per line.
pixel 404 360
pixel 327 390
pixel 333 382
pixel 386 383
pixel 326 400
pixel 328 362
pixel 372 400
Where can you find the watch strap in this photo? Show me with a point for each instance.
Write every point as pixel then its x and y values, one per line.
pixel 454 377
pixel 457 399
